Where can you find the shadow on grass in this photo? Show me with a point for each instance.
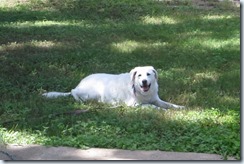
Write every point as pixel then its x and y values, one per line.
pixel 65 42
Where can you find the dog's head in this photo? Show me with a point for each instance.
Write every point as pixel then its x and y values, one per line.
pixel 144 79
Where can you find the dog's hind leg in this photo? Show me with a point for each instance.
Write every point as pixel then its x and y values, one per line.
pixel 75 94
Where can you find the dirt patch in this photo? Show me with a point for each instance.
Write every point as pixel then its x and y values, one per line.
pixel 210 4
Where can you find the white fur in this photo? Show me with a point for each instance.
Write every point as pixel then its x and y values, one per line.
pixel 139 87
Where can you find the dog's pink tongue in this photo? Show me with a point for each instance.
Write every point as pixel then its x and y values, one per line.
pixel 145 88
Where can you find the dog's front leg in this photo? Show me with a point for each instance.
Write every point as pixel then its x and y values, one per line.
pixel 167 105
pixel 151 106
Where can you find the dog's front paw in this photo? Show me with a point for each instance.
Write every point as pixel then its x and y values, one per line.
pixel 178 107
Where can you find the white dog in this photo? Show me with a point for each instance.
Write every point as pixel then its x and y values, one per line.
pixel 139 87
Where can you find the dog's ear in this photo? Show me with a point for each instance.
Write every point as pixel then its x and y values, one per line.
pixel 133 75
pixel 132 78
pixel 155 73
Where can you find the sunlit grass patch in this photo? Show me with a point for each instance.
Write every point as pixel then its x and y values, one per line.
pixel 204 40
pixel 217 17
pixel 212 116
pixel 158 20
pixel 13 3
pixel 213 43
pixel 46 23
pixel 130 45
pixel 34 43
pixel 21 137
pixel 206 75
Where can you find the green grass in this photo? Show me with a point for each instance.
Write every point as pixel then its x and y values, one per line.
pixel 51 44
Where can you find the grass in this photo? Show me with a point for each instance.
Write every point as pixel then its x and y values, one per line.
pixel 50 45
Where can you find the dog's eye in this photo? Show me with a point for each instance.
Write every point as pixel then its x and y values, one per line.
pixel 139 75
pixel 148 74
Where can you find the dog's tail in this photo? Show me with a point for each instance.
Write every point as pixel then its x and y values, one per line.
pixel 56 94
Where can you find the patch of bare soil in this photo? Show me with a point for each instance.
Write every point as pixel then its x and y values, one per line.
pixel 210 4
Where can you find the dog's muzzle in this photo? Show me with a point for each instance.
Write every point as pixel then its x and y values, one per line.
pixel 145 86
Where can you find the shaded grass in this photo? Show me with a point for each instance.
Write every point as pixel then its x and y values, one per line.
pixel 51 45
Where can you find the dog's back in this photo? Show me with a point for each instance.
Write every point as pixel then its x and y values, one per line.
pixel 107 88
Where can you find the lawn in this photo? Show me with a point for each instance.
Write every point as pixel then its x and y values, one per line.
pixel 50 45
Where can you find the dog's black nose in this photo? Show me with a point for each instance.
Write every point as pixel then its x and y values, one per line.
pixel 144 82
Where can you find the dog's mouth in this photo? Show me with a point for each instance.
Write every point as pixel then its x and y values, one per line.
pixel 145 87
